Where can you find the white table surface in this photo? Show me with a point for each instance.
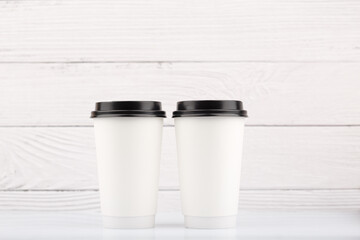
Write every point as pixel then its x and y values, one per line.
pixel 252 224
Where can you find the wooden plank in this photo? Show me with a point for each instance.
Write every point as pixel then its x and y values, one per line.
pixel 274 158
pixel 161 30
pixel 169 201
pixel 273 93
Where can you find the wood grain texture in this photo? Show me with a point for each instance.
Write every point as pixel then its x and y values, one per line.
pixel 273 93
pixel 293 63
pixel 274 158
pixel 169 201
pixel 161 30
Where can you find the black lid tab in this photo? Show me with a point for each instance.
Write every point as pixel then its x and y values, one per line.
pixel 204 108
pixel 128 109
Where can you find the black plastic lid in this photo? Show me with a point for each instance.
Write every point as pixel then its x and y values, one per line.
pixel 128 109
pixel 205 108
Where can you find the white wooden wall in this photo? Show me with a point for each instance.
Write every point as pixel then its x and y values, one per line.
pixel 294 63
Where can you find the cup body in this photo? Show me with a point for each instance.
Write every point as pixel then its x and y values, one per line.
pixel 209 159
pixel 128 158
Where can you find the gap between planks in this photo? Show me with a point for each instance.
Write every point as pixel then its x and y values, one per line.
pixel 180 61
pixel 172 125
pixel 178 190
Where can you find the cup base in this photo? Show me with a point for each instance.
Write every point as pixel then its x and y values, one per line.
pixel 128 222
pixel 210 222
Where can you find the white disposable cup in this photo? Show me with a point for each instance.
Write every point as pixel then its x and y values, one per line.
pixel 209 152
pixel 128 158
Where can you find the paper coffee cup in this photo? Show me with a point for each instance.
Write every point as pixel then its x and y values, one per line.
pixel 128 144
pixel 209 137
